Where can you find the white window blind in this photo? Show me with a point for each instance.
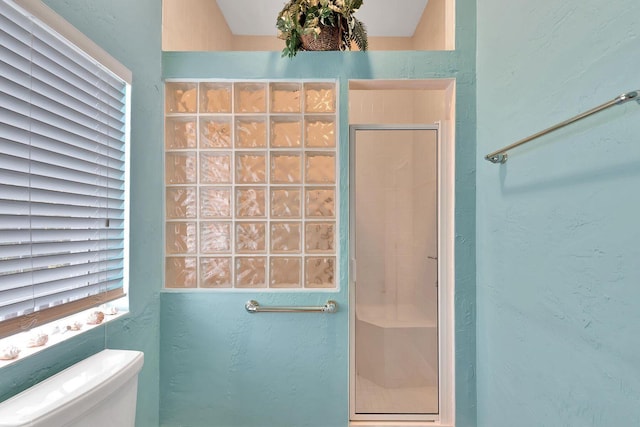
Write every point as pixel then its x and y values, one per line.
pixel 63 134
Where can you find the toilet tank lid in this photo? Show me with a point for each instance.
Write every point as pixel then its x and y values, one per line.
pixel 90 379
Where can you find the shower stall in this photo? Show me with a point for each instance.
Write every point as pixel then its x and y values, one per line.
pixel 394 209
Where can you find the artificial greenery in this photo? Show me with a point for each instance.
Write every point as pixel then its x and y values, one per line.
pixel 303 17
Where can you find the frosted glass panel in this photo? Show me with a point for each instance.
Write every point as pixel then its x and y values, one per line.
pixel 215 133
pixel 285 202
pixel 285 97
pixel 215 237
pixel 181 272
pixel 286 132
pixel 250 202
pixel 180 168
pixel 285 272
pixel 286 168
pixel 215 168
pixel 251 133
pixel 251 168
pixel 396 297
pixel 320 272
pixel 215 97
pixel 180 133
pixel 181 97
pixel 320 168
pixel 215 272
pixel 285 237
pixel 251 97
pixel 215 202
pixel 181 237
pixel 319 132
pixel 319 97
pixel 319 237
pixel 250 237
pixel 320 202
pixel 181 202
pixel 251 272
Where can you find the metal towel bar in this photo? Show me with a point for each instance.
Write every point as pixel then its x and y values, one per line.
pixel 500 156
pixel 252 306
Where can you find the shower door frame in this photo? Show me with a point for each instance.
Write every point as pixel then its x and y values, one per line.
pixel 446 237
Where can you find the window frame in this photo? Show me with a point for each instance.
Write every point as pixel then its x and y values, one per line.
pixel 43 17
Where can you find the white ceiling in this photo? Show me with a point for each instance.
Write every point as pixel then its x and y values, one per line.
pixel 397 18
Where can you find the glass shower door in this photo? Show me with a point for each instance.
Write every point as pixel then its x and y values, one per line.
pixel 394 248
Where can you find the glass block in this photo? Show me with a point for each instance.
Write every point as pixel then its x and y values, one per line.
pixel 215 168
pixel 251 132
pixel 285 97
pixel 181 97
pixel 285 272
pixel 250 168
pixel 181 272
pixel 181 238
pixel 320 168
pixel 320 202
pixel 215 272
pixel 251 98
pixel 215 97
pixel 215 133
pixel 319 237
pixel 319 132
pixel 251 272
pixel 180 168
pixel 286 168
pixel 285 237
pixel 320 272
pixel 319 97
pixel 215 237
pixel 250 237
pixel 285 202
pixel 286 132
pixel 181 202
pixel 215 202
pixel 180 133
pixel 250 202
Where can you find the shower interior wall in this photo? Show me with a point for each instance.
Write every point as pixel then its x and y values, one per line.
pixel 396 287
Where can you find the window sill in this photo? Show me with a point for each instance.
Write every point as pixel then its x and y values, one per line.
pixel 59 331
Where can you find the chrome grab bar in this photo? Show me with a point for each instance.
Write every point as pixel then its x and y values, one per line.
pixel 500 156
pixel 252 306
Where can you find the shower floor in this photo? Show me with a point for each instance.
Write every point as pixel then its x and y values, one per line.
pixel 372 398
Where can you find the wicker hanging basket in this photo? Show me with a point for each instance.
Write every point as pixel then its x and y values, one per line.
pixel 328 39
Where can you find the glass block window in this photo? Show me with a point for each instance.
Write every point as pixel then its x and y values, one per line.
pixel 251 172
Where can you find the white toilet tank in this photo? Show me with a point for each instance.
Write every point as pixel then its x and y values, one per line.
pixel 99 391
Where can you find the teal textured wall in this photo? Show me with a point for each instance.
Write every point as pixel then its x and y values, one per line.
pixel 129 31
pixel 223 367
pixel 557 226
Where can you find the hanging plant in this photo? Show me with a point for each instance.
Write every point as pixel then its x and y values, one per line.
pixel 320 25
